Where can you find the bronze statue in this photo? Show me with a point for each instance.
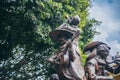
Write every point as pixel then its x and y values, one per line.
pixel 67 60
pixel 96 61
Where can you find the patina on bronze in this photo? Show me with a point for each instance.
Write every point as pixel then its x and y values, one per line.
pixel 67 60
pixel 96 62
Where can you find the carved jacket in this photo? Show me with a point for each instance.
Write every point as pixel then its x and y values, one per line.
pixel 95 69
pixel 69 66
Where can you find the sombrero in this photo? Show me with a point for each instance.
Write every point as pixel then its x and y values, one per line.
pixel 56 34
pixel 92 45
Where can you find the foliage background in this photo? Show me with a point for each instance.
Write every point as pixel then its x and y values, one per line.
pixel 24 34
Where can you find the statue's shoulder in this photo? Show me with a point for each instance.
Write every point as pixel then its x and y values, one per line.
pixel 78 29
pixel 92 61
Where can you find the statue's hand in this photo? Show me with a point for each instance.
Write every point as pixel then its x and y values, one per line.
pixel 57 61
pixel 69 44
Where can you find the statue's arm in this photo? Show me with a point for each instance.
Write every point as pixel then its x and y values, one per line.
pixel 92 73
pixel 71 54
pixel 114 70
pixel 63 26
pixel 90 69
pixel 76 34
pixel 70 51
pixel 52 59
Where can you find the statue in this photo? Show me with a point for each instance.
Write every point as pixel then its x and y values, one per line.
pixel 96 66
pixel 67 60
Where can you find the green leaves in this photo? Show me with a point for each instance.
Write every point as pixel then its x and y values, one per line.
pixel 24 34
pixel 88 31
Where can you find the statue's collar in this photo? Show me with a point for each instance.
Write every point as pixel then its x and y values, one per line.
pixel 100 60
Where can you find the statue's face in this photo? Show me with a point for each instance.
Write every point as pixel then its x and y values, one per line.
pixel 103 53
pixel 75 20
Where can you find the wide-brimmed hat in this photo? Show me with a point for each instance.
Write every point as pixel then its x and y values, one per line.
pixel 92 45
pixel 57 34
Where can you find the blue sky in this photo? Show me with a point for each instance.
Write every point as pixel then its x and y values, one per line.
pixel 108 12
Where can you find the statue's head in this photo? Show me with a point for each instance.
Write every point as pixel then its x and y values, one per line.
pixel 74 20
pixel 103 50
pixel 97 48
pixel 54 77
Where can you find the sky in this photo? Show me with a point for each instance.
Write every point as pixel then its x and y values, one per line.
pixel 108 12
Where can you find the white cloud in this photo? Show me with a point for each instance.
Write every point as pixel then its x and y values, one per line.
pixel 110 25
pixel 115 46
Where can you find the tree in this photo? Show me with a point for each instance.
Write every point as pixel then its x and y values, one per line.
pixel 24 34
